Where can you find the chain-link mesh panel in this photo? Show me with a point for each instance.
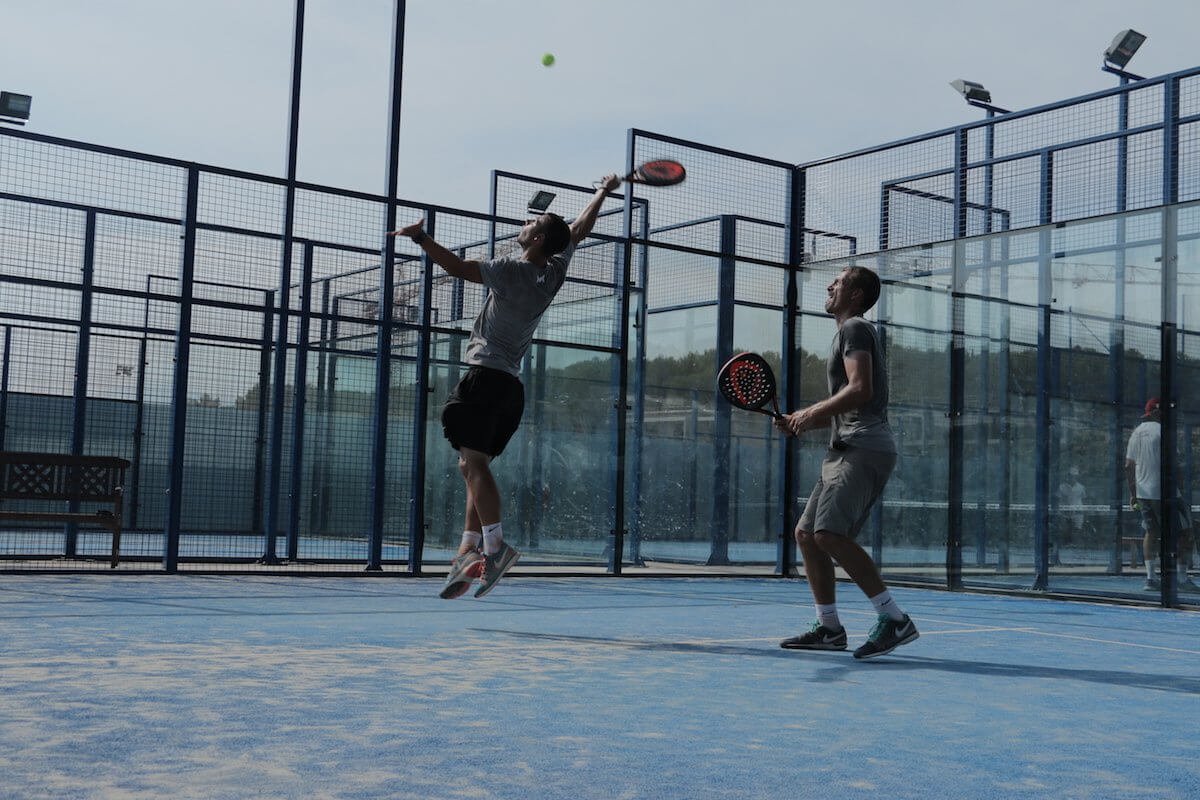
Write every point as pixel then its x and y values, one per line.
pixel 79 175
pixel 718 183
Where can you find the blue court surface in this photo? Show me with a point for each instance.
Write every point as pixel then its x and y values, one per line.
pixel 283 687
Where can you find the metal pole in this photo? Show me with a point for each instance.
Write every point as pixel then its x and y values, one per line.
pixel 622 369
pixel 139 416
pixel 179 380
pixel 1168 388
pixel 7 357
pixel 1041 494
pixel 719 525
pixel 383 354
pixel 299 402
pixel 416 509
pixel 278 384
pixel 956 400
pixel 785 558
pixel 83 349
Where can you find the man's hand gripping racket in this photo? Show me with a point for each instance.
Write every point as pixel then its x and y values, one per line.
pixel 747 381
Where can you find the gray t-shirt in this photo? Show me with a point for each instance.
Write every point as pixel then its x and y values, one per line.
pixel 866 427
pixel 519 292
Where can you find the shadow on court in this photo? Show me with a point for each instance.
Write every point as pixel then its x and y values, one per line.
pixel 900 660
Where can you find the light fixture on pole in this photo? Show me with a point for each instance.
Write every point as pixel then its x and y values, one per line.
pixel 540 201
pixel 1123 46
pixel 14 108
pixel 977 96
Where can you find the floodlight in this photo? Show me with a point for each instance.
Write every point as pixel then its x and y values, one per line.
pixel 1123 46
pixel 976 95
pixel 972 90
pixel 541 201
pixel 14 108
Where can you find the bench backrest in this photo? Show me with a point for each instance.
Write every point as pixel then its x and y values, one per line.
pixel 54 476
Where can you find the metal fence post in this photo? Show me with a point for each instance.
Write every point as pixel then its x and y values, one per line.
pixel 785 558
pixel 179 380
pixel 299 405
pixel 726 283
pixel 83 349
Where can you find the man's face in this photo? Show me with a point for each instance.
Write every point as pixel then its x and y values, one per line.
pixel 533 230
pixel 840 297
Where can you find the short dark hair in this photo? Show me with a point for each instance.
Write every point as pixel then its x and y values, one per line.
pixel 558 235
pixel 865 280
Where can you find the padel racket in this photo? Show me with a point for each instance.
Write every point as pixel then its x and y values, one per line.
pixel 662 172
pixel 747 381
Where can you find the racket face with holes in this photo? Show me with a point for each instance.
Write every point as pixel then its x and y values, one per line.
pixel 663 172
pixel 747 381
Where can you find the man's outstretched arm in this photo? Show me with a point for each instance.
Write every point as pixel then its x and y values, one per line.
pixel 455 266
pixel 583 224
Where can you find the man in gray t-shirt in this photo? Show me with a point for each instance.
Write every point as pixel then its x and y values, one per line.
pixel 861 456
pixel 484 409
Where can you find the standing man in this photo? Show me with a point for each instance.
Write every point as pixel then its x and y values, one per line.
pixel 484 409
pixel 861 456
pixel 1142 473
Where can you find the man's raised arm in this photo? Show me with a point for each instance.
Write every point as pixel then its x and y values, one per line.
pixel 582 225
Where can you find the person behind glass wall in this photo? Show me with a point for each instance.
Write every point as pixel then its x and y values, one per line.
pixel 1142 473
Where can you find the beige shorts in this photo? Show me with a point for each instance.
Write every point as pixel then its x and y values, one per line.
pixel 850 483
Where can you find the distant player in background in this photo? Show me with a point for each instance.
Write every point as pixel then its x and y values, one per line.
pixel 1143 467
pixel 484 410
pixel 860 459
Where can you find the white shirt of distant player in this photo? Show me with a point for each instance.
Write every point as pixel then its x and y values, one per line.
pixel 1145 447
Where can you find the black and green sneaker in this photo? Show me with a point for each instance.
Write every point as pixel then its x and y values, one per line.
pixel 818 638
pixel 886 636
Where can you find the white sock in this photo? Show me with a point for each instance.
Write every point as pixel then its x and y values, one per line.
pixel 493 539
pixel 884 604
pixel 470 541
pixel 828 616
pixel 1150 570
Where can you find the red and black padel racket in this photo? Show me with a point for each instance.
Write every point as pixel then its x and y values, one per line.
pixel 662 172
pixel 747 381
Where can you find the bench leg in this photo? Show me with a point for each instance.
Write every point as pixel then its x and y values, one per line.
pixel 118 508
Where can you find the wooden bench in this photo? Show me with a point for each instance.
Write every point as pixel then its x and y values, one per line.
pixel 59 477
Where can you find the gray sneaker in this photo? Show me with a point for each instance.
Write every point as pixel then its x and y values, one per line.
pixel 818 637
pixel 464 569
pixel 494 567
pixel 886 636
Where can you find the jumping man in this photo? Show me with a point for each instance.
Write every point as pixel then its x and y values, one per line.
pixel 484 409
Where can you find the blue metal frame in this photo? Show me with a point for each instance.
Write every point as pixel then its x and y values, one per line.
pixel 83 351
pixel 300 405
pixel 179 382
pixel 726 308
pixel 416 509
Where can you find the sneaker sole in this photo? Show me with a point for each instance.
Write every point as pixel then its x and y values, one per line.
pixel 454 590
pixel 827 647
pixel 504 571
pixel 459 581
pixel 915 635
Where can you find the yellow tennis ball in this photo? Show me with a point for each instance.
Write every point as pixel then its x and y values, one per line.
pixel 548 60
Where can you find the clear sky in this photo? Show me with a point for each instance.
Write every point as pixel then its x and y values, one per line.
pixel 793 80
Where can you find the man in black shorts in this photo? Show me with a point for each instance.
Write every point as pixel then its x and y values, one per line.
pixel 861 456
pixel 484 409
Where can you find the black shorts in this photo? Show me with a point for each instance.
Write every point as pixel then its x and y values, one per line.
pixel 483 410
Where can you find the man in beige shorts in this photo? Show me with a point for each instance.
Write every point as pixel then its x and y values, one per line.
pixel 861 456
